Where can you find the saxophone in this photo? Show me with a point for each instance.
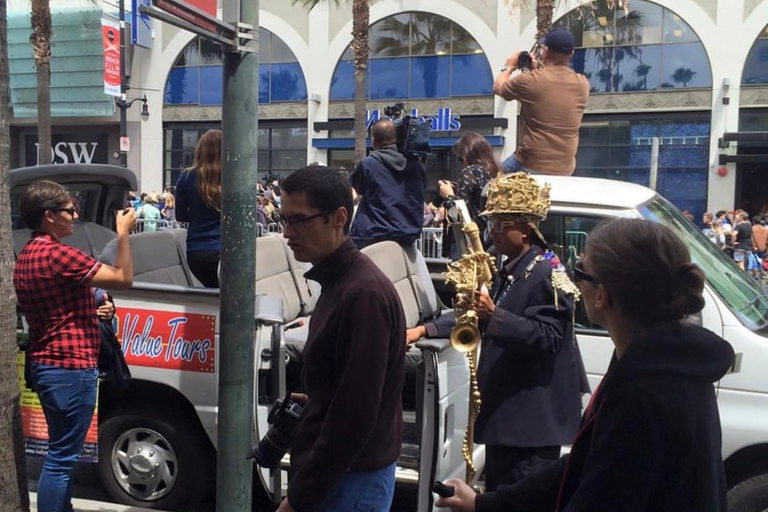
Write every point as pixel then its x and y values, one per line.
pixel 474 269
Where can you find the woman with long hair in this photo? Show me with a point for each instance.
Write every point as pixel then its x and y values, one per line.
pixel 198 202
pixel 650 439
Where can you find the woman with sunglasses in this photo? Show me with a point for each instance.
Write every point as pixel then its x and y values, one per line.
pixel 649 441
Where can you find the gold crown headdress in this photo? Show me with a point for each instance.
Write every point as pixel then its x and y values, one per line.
pixel 517 194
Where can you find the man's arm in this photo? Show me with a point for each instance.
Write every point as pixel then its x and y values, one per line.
pixel 352 415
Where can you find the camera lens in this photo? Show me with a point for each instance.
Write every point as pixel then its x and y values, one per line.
pixel 270 450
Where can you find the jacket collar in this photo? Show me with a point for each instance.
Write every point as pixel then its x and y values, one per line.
pixel 329 270
pixel 516 267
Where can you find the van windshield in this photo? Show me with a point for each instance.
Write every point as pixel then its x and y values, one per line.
pixel 739 292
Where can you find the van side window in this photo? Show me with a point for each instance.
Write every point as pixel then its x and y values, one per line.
pixel 567 236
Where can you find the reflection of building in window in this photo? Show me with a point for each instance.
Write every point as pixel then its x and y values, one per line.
pixel 645 48
pixel 756 67
pixel 196 77
pixel 417 55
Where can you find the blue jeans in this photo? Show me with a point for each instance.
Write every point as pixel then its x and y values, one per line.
pixel 68 398
pixel 512 164
pixel 366 491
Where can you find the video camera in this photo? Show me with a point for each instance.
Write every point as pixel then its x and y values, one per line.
pixel 524 61
pixel 412 134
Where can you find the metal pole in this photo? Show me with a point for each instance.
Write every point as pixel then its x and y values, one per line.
pixel 654 178
pixel 123 124
pixel 239 121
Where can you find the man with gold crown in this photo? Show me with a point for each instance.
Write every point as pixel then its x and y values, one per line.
pixel 530 371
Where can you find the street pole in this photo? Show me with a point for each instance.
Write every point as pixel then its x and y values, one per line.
pixel 123 124
pixel 239 119
pixel 654 174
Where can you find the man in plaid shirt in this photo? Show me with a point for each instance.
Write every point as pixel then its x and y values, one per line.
pixel 53 285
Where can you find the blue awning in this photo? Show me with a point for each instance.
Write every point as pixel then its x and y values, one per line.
pixel 77 65
pixel 434 142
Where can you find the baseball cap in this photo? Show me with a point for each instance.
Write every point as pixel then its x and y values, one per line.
pixel 559 40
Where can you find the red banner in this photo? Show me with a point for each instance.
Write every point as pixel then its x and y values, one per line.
pixel 176 7
pixel 165 339
pixel 110 32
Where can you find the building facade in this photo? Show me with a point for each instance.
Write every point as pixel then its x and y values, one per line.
pixel 684 71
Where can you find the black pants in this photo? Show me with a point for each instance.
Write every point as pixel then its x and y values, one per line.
pixel 508 465
pixel 205 266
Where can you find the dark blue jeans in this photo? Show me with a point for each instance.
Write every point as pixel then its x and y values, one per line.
pixel 366 491
pixel 512 164
pixel 68 398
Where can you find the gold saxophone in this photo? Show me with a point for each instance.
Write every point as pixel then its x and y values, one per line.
pixel 474 269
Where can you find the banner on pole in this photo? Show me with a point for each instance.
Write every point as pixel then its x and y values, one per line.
pixel 110 31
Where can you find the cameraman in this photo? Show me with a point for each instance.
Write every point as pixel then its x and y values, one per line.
pixel 391 189
pixel 552 99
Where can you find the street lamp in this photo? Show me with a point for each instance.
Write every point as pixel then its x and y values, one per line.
pixel 124 105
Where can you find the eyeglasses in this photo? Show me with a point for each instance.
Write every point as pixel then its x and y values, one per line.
pixel 499 224
pixel 579 275
pixel 299 221
pixel 71 210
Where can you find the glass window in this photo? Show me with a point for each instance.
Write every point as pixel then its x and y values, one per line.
pixel 264 82
pixel 210 53
pixel 190 138
pixel 632 71
pixel 265 46
pixel 280 51
pixel 595 64
pixel 685 65
pixel 287 83
pixel 263 138
pixel 389 78
pixel 342 159
pixel 289 138
pixel 343 81
pixel 390 36
pixel 183 86
pixel 676 30
pixel 640 25
pixel 428 77
pixel 462 42
pixel 594 133
pixel 756 67
pixel 430 34
pixel 471 75
pixel 213 85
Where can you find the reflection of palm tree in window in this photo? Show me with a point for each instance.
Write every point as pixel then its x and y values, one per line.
pixel 642 71
pixel 683 76
pixel 285 85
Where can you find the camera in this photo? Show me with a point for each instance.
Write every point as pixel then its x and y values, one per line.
pixel 524 61
pixel 283 418
pixel 412 133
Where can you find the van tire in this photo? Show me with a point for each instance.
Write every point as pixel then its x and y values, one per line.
pixel 751 495
pixel 159 439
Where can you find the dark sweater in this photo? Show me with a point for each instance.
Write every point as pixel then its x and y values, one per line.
pixel 204 231
pixel 353 374
pixel 649 441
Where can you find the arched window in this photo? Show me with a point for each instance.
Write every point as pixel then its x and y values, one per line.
pixel 196 77
pixel 756 67
pixel 646 48
pixel 417 55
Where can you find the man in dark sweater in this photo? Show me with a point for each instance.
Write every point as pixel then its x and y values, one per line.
pixel 391 187
pixel 346 445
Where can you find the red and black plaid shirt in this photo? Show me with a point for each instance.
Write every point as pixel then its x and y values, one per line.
pixel 51 281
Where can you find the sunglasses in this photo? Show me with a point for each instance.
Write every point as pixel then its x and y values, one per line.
pixel 579 275
pixel 71 210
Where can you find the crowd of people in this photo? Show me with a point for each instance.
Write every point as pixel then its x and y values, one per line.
pixel 740 237
pixel 649 439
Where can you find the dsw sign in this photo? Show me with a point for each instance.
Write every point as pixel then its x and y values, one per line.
pixel 71 149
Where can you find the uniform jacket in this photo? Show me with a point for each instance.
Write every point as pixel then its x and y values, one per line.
pixel 650 439
pixel 530 373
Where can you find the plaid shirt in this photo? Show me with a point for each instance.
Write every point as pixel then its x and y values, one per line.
pixel 51 281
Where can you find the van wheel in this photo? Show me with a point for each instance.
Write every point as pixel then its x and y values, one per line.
pixel 153 460
pixel 750 495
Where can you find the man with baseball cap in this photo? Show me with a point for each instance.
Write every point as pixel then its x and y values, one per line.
pixel 552 99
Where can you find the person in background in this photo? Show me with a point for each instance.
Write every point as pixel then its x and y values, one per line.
pixel 759 236
pixel 53 286
pixel 198 202
pixel 713 230
pixel 721 219
pixel 169 209
pixel 650 439
pixel 149 213
pixel 742 240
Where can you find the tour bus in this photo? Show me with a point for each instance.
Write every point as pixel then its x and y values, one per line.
pixel 157 439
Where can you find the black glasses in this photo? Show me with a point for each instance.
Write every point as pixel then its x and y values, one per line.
pixel 300 221
pixel 71 210
pixel 579 275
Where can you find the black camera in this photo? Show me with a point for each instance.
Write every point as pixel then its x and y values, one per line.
pixel 524 61
pixel 394 110
pixel 283 418
pixel 412 134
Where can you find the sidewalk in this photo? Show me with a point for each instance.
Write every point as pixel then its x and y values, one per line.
pixel 91 506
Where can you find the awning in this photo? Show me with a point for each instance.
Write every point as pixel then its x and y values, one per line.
pixel 77 66
pixel 434 142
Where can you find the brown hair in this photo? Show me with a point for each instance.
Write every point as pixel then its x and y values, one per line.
pixel 647 268
pixel 472 148
pixel 39 197
pixel 170 201
pixel 207 164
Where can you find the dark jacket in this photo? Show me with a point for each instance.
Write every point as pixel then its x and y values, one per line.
pixel 204 230
pixel 353 374
pixel 392 204
pixel 650 439
pixel 530 374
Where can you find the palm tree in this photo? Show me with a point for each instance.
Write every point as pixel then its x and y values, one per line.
pixel 360 21
pixel 14 495
pixel 683 76
pixel 40 39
